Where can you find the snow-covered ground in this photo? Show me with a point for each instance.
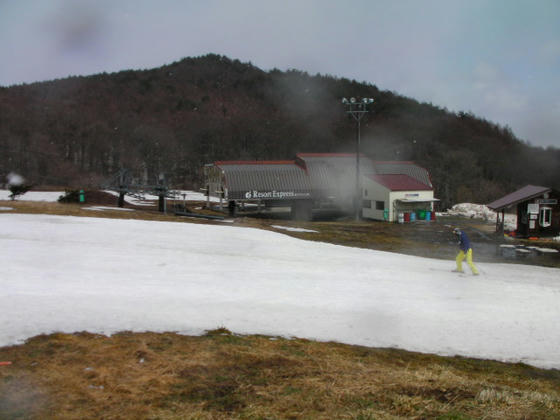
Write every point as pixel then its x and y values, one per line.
pixel 48 196
pixel 293 229
pixel 104 275
pixel 193 196
pixel 52 196
pixel 480 211
pixel 180 195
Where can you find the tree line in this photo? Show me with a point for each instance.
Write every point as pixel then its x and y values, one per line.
pixel 81 131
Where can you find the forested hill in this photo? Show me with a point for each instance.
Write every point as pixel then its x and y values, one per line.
pixel 81 130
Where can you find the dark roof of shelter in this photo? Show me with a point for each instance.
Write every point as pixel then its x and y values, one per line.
pixel 334 174
pixel 403 168
pixel 526 193
pixel 342 161
pixel 243 176
pixel 400 182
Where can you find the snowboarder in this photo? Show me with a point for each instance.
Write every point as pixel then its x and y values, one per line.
pixel 465 251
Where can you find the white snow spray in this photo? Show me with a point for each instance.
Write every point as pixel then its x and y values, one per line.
pixel 14 179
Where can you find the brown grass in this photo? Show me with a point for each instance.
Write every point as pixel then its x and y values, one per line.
pixel 138 213
pixel 225 376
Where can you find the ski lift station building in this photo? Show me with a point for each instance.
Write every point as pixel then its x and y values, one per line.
pixel 315 181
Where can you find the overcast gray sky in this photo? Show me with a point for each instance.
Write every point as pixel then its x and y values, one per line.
pixel 499 59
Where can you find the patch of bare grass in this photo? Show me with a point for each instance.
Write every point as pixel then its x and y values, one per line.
pixel 226 376
pixel 70 209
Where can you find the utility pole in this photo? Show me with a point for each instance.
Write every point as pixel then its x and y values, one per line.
pixel 357 108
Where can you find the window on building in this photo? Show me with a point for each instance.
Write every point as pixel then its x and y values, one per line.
pixel 365 192
pixel 545 216
pixel 380 205
pixel 366 204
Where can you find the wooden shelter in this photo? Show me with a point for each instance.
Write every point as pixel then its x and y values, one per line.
pixel 537 208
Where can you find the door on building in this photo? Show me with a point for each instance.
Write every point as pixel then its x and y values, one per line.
pixel 522 221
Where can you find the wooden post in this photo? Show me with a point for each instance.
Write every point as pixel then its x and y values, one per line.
pixel 121 199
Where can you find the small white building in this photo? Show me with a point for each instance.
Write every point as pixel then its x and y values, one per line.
pixel 408 193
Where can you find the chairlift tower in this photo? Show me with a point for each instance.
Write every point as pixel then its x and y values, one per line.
pixel 123 183
pixel 161 190
pixel 357 108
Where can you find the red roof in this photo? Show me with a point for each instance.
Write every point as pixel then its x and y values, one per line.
pixel 400 182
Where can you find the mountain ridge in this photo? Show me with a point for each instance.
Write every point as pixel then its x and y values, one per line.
pixel 175 118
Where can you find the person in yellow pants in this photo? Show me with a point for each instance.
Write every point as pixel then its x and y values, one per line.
pixel 465 252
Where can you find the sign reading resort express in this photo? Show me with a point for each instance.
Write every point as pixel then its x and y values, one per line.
pixel 276 195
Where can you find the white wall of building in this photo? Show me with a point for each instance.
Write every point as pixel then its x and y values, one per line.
pixel 374 192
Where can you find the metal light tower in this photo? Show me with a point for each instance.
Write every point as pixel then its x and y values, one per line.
pixel 357 108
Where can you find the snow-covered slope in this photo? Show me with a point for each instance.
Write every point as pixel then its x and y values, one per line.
pixel 103 275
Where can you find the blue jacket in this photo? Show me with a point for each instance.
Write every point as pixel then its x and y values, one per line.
pixel 464 244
